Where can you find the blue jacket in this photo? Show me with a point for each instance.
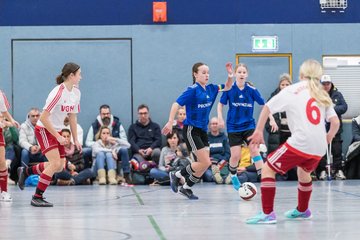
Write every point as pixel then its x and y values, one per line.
pixel 219 146
pixel 340 106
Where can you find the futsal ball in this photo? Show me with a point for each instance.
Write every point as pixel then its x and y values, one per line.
pixel 247 190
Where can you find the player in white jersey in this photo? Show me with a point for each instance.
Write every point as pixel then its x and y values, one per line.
pixel 63 100
pixel 4 106
pixel 307 107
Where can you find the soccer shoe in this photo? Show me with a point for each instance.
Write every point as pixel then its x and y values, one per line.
pixel 22 177
pixel 295 214
pixel 5 197
pixel 323 175
pixel 262 218
pixel 40 202
pixel 235 182
pixel 340 175
pixel 188 193
pixel 174 182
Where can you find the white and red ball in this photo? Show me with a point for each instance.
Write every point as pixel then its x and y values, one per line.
pixel 247 191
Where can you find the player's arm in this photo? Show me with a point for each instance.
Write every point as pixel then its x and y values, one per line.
pixel 334 127
pixel 8 116
pixel 229 81
pixel 44 118
pixel 258 137
pixel 73 128
pixel 168 126
pixel 220 115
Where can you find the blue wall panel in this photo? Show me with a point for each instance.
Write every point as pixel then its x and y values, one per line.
pixel 162 57
pixel 128 12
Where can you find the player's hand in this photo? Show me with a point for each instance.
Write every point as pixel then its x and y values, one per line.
pixel 274 126
pixel 229 69
pixel 16 124
pixel 221 123
pixel 78 146
pixel 256 138
pixel 61 140
pixel 329 138
pixel 167 128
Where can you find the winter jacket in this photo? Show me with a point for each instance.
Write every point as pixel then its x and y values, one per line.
pixel 144 136
pixel 219 146
pixel 340 106
pixel 27 135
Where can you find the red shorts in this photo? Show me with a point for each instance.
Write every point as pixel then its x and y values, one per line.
pixel 286 157
pixel 48 142
pixel 2 141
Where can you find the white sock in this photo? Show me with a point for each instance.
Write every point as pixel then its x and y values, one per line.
pixel 178 174
pixel 185 186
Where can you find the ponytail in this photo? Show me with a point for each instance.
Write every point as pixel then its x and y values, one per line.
pixel 59 79
pixel 66 71
pixel 312 71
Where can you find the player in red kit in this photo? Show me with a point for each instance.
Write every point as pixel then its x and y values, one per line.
pixel 63 100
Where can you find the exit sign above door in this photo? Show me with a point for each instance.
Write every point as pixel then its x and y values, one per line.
pixel 265 43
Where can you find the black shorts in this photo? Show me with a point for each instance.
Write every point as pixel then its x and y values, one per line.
pixel 238 138
pixel 195 138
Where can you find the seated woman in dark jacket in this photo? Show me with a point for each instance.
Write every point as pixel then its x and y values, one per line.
pixel 352 165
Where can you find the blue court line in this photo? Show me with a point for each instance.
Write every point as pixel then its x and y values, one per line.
pixel 347 193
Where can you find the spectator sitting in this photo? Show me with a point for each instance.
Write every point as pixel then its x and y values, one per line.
pixel 30 152
pixel 172 158
pixel 219 151
pixel 104 152
pixel 80 131
pixel 75 172
pixel 105 118
pixel 353 155
pixel 179 122
pixel 145 137
pixel 11 137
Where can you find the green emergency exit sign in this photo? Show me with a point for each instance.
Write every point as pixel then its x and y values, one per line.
pixel 265 43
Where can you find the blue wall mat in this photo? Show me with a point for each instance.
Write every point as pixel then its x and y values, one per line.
pixel 129 12
pixel 106 74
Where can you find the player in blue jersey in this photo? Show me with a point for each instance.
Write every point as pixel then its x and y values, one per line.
pixel 198 100
pixel 240 122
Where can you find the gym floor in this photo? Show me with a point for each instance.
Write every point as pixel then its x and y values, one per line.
pixel 154 212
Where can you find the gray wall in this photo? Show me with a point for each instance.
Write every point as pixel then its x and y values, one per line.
pixel 156 60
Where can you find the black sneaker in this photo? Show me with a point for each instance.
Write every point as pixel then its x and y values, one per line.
pixel 174 182
pixel 22 177
pixel 188 193
pixel 40 202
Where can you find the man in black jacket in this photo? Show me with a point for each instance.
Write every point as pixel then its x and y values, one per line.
pixel 145 137
pixel 340 107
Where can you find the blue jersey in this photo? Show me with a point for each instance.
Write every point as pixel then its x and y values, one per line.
pixel 198 102
pixel 241 107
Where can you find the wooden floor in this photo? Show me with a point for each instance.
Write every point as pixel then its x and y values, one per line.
pixel 154 212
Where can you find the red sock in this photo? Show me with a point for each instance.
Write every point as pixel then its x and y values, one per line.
pixel 44 182
pixel 37 169
pixel 268 189
pixel 3 180
pixel 304 193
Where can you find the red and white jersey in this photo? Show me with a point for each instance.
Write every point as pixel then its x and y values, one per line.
pixel 306 119
pixel 4 103
pixel 59 103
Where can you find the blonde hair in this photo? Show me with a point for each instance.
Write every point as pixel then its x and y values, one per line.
pixel 98 134
pixel 241 65
pixel 312 71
